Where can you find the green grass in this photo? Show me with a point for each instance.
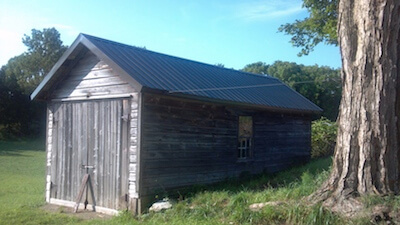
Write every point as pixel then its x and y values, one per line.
pixel 22 183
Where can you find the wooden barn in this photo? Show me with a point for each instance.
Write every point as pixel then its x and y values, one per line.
pixel 142 123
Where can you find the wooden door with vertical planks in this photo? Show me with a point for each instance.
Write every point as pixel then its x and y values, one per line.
pixel 91 137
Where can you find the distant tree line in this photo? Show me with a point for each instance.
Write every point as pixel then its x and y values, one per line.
pixel 19 116
pixel 320 84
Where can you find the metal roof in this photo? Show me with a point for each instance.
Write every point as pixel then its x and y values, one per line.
pixel 179 76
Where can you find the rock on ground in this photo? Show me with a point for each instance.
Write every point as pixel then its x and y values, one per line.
pixel 159 206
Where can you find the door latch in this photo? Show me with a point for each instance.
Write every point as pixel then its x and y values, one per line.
pixel 87 167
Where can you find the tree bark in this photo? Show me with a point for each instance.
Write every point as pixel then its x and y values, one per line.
pixel 366 159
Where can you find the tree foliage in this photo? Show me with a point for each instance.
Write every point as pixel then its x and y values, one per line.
pixel 323 137
pixel 320 85
pixel 29 68
pixel 319 26
pixel 257 67
pixel 20 76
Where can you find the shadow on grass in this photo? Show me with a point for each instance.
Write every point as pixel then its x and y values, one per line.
pixel 259 182
pixel 14 148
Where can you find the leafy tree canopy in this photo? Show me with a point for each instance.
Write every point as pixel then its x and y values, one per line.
pixel 20 76
pixel 319 27
pixel 321 85
pixel 257 67
pixel 29 68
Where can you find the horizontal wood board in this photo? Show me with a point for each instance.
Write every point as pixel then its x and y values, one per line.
pixel 91 78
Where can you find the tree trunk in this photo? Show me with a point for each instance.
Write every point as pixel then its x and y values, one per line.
pixel 366 159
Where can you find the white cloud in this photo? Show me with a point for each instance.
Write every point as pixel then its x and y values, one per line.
pixel 268 9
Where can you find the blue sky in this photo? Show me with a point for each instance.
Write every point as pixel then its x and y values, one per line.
pixel 232 32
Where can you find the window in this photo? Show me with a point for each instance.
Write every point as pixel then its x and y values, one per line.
pixel 245 137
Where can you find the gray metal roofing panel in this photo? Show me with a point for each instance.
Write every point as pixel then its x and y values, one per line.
pixel 176 75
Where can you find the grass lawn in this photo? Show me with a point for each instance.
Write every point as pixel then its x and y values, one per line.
pixel 22 183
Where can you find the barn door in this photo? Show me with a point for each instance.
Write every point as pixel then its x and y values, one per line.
pixel 91 137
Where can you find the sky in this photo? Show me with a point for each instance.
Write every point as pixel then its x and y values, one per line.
pixel 229 32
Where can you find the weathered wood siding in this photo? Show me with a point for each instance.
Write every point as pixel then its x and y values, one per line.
pixel 189 142
pixel 91 78
pixel 280 141
pixel 133 147
pixel 90 133
pixel 49 149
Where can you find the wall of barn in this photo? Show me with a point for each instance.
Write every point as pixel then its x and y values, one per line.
pixel 187 142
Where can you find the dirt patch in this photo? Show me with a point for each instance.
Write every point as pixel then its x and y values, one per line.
pixel 82 214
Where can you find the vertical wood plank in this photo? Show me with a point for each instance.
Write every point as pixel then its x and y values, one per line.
pixel 61 140
pixel 78 145
pixel 101 153
pixel 107 151
pixel 96 149
pixel 118 155
pixel 74 151
pixel 49 131
pixel 111 150
pixel 139 138
pixel 124 154
pixel 84 135
pixel 53 167
pixel 90 153
pixel 69 159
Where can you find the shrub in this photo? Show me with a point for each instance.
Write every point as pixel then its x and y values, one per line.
pixel 323 137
